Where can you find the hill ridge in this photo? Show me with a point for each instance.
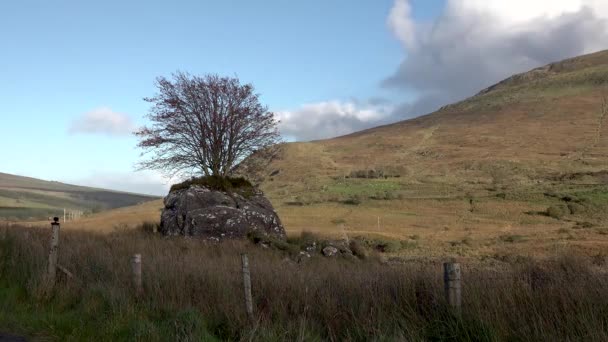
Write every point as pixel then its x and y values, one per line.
pixel 30 198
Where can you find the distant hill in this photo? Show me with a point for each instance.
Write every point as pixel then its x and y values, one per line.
pixel 24 198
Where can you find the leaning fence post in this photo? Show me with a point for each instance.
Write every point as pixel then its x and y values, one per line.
pixel 53 252
pixel 453 286
pixel 247 286
pixel 136 268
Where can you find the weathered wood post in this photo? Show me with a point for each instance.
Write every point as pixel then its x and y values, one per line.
pixel 53 253
pixel 136 269
pixel 453 286
pixel 247 286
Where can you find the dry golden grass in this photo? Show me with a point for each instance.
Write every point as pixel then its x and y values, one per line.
pixel 109 221
pixel 193 292
pixel 514 139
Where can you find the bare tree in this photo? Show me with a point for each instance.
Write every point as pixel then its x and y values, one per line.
pixel 204 125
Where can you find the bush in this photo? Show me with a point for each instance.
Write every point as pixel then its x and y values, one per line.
pixel 385 195
pixel 558 211
pixel 576 208
pixel 369 174
pixel 258 237
pixel 512 238
pixel 305 239
pixel 358 249
pixel 388 246
pixel 352 200
pixel 227 184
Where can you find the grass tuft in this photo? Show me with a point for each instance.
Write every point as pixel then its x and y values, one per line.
pixel 226 184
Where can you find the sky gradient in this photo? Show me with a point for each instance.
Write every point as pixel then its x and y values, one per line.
pixel 74 73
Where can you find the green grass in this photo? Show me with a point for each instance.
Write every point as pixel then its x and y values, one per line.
pixel 95 318
pixel 555 86
pixel 598 196
pixel 359 187
pixel 17 214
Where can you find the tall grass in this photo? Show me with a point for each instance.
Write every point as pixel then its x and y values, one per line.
pixel 193 292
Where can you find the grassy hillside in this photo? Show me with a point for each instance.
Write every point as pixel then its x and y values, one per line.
pixel 483 171
pixel 23 198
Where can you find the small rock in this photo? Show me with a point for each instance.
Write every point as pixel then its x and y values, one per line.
pixel 302 256
pixel 312 247
pixel 330 251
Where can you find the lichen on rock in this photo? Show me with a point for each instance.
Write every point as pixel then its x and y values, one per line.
pixel 200 211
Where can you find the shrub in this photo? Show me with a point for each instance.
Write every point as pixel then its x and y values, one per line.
pixel 304 240
pixel 576 208
pixel 558 211
pixel 602 231
pixel 584 225
pixel 384 195
pixel 352 200
pixel 358 249
pixel 227 184
pixel 388 246
pixel 258 237
pixel 512 238
pixel 369 174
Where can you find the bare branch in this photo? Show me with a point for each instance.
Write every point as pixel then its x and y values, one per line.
pixel 204 125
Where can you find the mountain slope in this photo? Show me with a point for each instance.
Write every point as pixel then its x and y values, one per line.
pixel 31 199
pixel 550 119
pixel 486 161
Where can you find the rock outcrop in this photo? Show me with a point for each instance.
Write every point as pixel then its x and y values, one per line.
pixel 216 215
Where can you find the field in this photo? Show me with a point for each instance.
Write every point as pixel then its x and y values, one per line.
pixel 563 297
pixel 23 198
pixel 433 221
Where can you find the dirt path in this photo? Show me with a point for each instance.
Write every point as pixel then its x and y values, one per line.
pixel 597 138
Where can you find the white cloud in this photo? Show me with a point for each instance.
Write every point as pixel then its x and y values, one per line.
pixel 401 23
pixel 103 120
pixel 476 43
pixel 332 118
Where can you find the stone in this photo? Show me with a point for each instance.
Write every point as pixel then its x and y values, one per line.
pixel 311 247
pixel 330 251
pixel 198 211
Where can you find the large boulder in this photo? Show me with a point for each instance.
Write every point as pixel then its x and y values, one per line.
pixel 216 215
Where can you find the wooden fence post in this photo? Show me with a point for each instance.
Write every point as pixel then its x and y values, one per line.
pixel 453 286
pixel 247 286
pixel 53 253
pixel 136 268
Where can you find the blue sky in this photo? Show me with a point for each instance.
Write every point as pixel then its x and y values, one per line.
pixel 60 60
